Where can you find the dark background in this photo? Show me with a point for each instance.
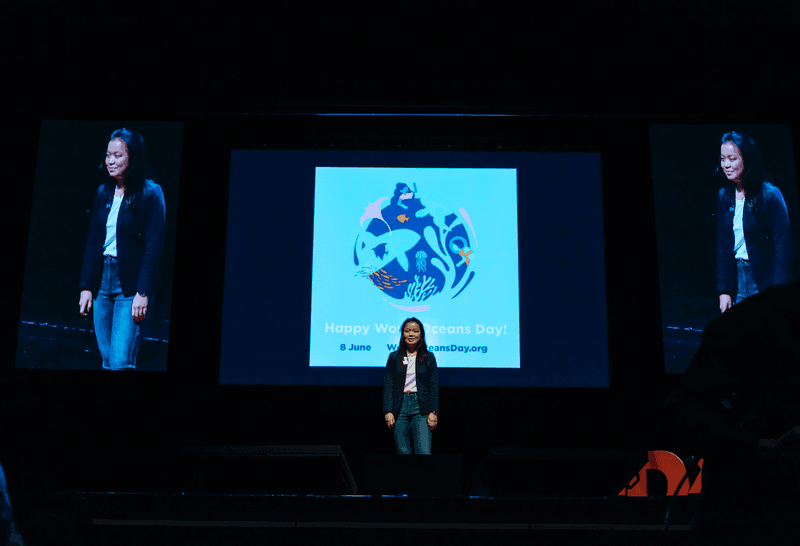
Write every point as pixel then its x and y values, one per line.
pixel 577 75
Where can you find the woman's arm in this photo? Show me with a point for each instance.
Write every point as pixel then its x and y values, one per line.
pixel 433 379
pixel 781 237
pixel 93 242
pixel 155 220
pixel 724 247
pixel 388 381
pixel 433 389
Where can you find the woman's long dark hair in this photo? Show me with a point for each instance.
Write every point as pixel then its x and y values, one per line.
pixel 754 174
pixel 138 167
pixel 422 347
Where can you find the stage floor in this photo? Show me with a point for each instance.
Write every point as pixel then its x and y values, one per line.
pixel 71 517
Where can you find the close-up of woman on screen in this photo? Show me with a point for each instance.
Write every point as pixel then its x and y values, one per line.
pixel 123 249
pixel 754 248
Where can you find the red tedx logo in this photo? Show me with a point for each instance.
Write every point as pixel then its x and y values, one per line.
pixel 672 467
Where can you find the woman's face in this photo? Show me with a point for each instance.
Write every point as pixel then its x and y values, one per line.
pixel 730 159
pixel 411 333
pixel 117 158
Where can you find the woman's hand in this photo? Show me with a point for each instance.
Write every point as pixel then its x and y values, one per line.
pixel 724 302
pixel 433 420
pixel 389 418
pixel 86 302
pixel 139 308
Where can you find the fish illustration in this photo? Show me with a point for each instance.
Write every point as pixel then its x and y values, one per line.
pixel 403 218
pixel 382 283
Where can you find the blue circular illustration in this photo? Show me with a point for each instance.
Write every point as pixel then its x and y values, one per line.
pixel 414 250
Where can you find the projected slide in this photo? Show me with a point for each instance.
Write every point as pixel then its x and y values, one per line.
pixel 499 255
pixel 436 243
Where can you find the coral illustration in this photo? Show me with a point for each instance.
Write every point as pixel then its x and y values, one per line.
pixel 421 289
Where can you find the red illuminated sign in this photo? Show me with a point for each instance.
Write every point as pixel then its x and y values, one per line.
pixel 672 467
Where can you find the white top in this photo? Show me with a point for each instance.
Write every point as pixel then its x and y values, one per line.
pixel 739 248
pixel 110 246
pixel 411 373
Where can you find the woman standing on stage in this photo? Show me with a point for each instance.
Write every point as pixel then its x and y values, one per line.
pixel 754 247
pixel 411 391
pixel 123 248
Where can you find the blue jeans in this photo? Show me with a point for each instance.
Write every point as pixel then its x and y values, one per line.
pixel 118 335
pixel 746 284
pixel 412 427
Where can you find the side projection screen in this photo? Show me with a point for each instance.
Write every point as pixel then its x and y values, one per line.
pixel 499 255
pixel 708 232
pixel 97 291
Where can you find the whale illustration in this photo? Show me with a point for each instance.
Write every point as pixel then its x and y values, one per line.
pixel 377 252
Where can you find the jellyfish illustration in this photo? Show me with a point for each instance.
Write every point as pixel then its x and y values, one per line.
pixel 421 260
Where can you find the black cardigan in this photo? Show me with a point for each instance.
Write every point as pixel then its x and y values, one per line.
pixel 140 239
pixel 427 384
pixel 766 234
